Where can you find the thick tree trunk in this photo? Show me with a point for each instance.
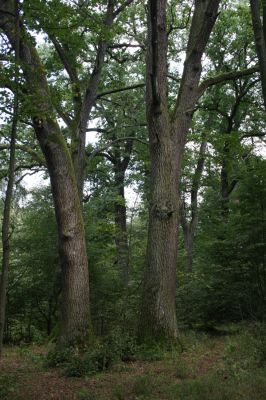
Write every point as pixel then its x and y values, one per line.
pixel 167 137
pixel 76 326
pixel 259 28
pixel 158 315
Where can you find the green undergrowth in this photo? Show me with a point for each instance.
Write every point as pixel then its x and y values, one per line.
pixel 8 386
pixel 231 366
pixel 100 357
pixel 242 353
pixel 114 351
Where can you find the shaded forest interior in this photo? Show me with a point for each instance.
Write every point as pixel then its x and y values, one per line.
pixel 135 267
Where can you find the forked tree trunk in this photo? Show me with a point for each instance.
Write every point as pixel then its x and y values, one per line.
pixel 167 135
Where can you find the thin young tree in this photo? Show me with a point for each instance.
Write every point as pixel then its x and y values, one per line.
pixel 189 225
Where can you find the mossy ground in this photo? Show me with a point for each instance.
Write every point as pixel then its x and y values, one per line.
pixel 210 368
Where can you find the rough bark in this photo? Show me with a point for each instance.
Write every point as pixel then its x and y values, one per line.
pixel 259 28
pixel 158 317
pixel 76 327
pixel 167 135
pixel 10 186
pixel 71 235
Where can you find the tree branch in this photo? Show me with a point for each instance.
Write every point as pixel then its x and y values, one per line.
pixel 106 93
pixel 225 77
pixel 122 7
pixel 27 149
pixel 65 59
pixel 105 147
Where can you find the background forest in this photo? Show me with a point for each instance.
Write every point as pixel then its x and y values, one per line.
pixel 133 189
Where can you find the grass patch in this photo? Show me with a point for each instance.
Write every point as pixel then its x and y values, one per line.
pixel 85 394
pixel 140 388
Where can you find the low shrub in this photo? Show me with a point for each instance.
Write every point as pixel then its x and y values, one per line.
pixel 111 349
pixel 59 356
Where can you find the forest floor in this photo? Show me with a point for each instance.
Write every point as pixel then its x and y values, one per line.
pixel 229 367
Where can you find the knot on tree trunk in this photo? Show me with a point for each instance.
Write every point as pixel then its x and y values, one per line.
pixel 163 212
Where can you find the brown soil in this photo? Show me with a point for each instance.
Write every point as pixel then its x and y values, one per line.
pixel 25 377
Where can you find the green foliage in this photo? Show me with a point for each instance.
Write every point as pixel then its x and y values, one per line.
pixel 183 371
pixel 152 352
pixel 228 281
pixel 142 388
pixel 34 275
pixel 89 364
pixel 245 352
pixel 85 394
pixel 113 348
pixel 210 389
pixel 58 357
pixel 7 386
pixel 31 354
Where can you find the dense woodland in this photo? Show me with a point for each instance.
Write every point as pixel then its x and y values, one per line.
pixel 143 127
